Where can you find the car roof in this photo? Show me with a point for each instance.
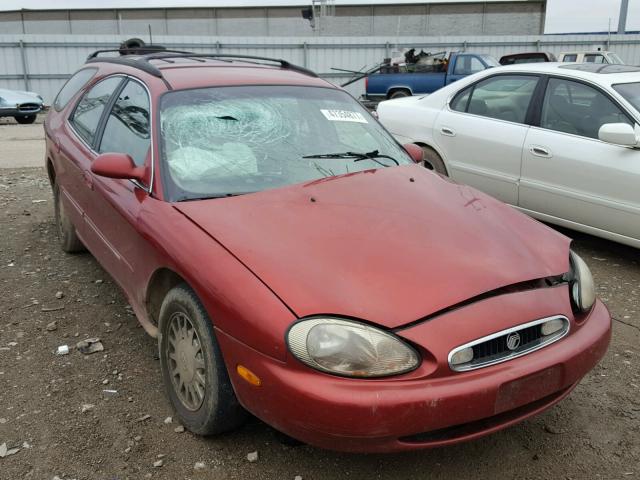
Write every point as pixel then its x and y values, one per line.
pixel 598 73
pixel 194 71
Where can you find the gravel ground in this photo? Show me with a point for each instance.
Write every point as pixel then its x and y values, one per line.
pixel 54 411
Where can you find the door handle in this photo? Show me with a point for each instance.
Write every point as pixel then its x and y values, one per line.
pixel 88 179
pixel 539 151
pixel 448 132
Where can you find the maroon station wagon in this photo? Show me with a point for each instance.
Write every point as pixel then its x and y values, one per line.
pixel 295 262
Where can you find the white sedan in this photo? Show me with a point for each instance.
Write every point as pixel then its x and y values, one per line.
pixel 560 142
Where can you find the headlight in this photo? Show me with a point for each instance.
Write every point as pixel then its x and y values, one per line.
pixel 349 348
pixel 583 290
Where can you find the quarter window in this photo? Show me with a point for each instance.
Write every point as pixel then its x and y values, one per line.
pixel 570 58
pixel 89 110
pixel 503 97
pixel 73 86
pixel 128 129
pixel 573 107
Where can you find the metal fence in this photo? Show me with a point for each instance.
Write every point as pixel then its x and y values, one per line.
pixel 41 63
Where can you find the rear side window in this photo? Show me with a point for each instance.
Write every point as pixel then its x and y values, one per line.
pixel 503 97
pixel 570 58
pixel 73 86
pixel 127 129
pixel 89 110
pixel 594 58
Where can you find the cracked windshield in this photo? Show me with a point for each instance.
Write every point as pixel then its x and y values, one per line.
pixel 227 141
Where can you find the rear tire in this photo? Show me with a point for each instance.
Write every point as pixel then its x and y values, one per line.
pixel 193 369
pixel 25 119
pixel 433 161
pixel 399 94
pixel 69 240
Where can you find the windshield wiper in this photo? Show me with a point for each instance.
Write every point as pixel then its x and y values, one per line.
pixel 187 198
pixel 357 156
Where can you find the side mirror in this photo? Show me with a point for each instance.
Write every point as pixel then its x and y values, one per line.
pixel 118 165
pixel 415 152
pixel 618 134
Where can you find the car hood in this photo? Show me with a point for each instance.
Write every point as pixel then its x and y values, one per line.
pixel 15 96
pixel 390 246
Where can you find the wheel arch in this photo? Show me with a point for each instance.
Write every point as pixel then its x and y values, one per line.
pixel 160 282
pixel 437 150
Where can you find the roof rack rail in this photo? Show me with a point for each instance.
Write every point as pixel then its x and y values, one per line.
pixel 142 62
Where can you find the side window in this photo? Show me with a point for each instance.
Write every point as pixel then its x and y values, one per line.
pixel 594 58
pixel 572 107
pixel 128 128
pixel 73 86
pixel 467 64
pixel 572 57
pixel 87 114
pixel 503 97
pixel 461 100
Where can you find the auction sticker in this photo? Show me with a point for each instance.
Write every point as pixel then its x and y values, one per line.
pixel 344 116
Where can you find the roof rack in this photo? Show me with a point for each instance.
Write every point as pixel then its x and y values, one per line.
pixel 142 62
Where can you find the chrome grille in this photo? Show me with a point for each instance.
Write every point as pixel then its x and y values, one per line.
pixel 28 107
pixel 493 348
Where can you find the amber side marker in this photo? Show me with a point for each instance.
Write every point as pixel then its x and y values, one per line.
pixel 248 375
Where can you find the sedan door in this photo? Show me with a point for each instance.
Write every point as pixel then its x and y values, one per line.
pixel 118 203
pixel 77 152
pixel 482 131
pixel 572 178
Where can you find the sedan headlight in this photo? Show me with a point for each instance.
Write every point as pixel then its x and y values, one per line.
pixel 349 348
pixel 583 290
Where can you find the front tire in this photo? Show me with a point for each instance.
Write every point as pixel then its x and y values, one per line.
pixel 25 119
pixel 69 240
pixel 192 366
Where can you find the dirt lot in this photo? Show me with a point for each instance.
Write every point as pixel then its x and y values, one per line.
pixel 594 433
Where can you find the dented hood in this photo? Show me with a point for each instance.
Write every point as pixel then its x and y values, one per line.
pixel 389 246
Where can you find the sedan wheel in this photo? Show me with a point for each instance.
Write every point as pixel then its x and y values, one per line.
pixel 25 119
pixel 433 161
pixel 193 369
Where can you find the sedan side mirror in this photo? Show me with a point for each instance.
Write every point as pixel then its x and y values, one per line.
pixel 415 152
pixel 118 165
pixel 618 134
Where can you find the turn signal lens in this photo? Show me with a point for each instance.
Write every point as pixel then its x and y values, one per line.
pixel 462 356
pixel 248 375
pixel 552 326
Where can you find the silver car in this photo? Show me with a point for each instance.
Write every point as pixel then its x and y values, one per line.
pixel 23 106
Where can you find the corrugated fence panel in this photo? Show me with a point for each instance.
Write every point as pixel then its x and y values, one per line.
pixel 50 59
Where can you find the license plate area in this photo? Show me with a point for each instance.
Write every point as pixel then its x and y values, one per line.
pixel 529 389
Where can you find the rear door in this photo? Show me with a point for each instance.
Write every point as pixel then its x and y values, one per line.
pixel 482 132
pixel 569 174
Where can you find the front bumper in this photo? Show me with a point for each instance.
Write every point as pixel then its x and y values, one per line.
pixel 20 111
pixel 431 406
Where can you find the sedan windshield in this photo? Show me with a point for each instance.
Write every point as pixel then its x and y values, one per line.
pixel 631 93
pixel 226 141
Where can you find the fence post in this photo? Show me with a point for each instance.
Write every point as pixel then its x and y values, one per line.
pixel 25 71
pixel 387 50
pixel 305 55
pixel 218 48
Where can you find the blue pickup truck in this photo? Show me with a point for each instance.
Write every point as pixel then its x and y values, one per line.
pixel 402 81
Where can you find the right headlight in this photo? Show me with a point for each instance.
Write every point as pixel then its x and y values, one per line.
pixel 350 348
pixel 583 290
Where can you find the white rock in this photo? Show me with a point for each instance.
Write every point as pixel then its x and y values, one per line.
pixel 199 466
pixel 86 407
pixel 158 464
pixel 168 420
pixel 252 457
